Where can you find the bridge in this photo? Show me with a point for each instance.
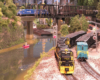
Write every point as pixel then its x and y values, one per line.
pixel 56 12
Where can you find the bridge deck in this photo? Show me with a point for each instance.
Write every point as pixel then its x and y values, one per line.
pixel 55 11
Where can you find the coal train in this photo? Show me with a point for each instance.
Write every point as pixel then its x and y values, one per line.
pixel 63 53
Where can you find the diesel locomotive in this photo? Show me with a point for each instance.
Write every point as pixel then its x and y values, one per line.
pixel 82 51
pixel 65 59
pixel 83 43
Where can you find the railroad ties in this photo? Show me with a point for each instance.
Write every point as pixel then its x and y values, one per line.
pixel 70 77
pixel 41 32
pixel 90 70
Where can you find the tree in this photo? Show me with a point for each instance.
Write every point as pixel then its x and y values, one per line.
pixel 64 30
pixel 1 13
pixel 78 23
pixel 98 7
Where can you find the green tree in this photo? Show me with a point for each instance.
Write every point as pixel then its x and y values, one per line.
pixel 49 21
pixel 1 13
pixel 78 23
pixel 64 30
pixel 98 7
pixel 22 7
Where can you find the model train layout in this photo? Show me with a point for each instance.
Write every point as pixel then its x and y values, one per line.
pixel 63 53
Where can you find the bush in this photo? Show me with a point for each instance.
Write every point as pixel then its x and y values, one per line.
pixel 64 30
pixel 22 7
pixel 1 4
pixel 78 23
pixel 15 18
pixel 1 13
pixel 8 13
pixel 13 23
pixel 4 8
pixel 98 7
pixel 41 26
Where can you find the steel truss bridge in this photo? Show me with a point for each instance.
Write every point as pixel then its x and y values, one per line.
pixel 58 11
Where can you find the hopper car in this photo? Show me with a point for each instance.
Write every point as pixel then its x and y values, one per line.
pixel 70 39
pixel 88 38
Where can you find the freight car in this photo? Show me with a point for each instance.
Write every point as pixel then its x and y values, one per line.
pixel 88 38
pixel 65 59
pixel 70 39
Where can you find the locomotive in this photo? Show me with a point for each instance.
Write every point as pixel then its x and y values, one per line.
pixel 32 12
pixel 82 51
pixel 65 59
pixel 83 43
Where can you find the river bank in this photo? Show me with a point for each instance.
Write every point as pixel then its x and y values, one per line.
pixel 11 33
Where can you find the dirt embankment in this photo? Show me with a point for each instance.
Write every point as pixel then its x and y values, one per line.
pixel 12 34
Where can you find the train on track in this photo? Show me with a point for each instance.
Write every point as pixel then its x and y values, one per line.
pixel 63 53
pixel 32 12
pixel 65 59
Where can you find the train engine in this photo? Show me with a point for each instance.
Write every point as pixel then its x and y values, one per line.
pixel 65 60
pixel 82 50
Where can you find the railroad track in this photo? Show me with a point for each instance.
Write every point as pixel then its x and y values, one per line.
pixel 90 70
pixel 70 77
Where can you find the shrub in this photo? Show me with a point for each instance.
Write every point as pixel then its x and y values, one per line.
pixel 8 13
pixel 64 30
pixel 15 18
pixel 1 13
pixel 98 7
pixel 41 26
pixel 22 7
pixel 4 8
pixel 1 4
pixel 78 23
pixel 13 23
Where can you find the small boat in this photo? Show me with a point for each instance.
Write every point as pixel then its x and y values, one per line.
pixel 26 46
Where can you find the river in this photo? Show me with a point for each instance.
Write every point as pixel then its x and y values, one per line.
pixel 14 64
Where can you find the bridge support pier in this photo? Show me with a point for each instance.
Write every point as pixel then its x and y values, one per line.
pixel 29 34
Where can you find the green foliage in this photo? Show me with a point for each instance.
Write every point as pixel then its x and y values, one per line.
pixel 80 2
pixel 78 23
pixel 98 7
pixel 1 13
pixel 15 18
pixel 87 2
pixel 34 7
pixel 9 13
pixel 49 21
pixel 36 21
pixel 4 8
pixel 9 9
pixel 1 4
pixel 64 30
pixel 41 26
pixel 22 7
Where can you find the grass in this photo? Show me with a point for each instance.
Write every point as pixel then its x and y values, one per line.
pixel 31 71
